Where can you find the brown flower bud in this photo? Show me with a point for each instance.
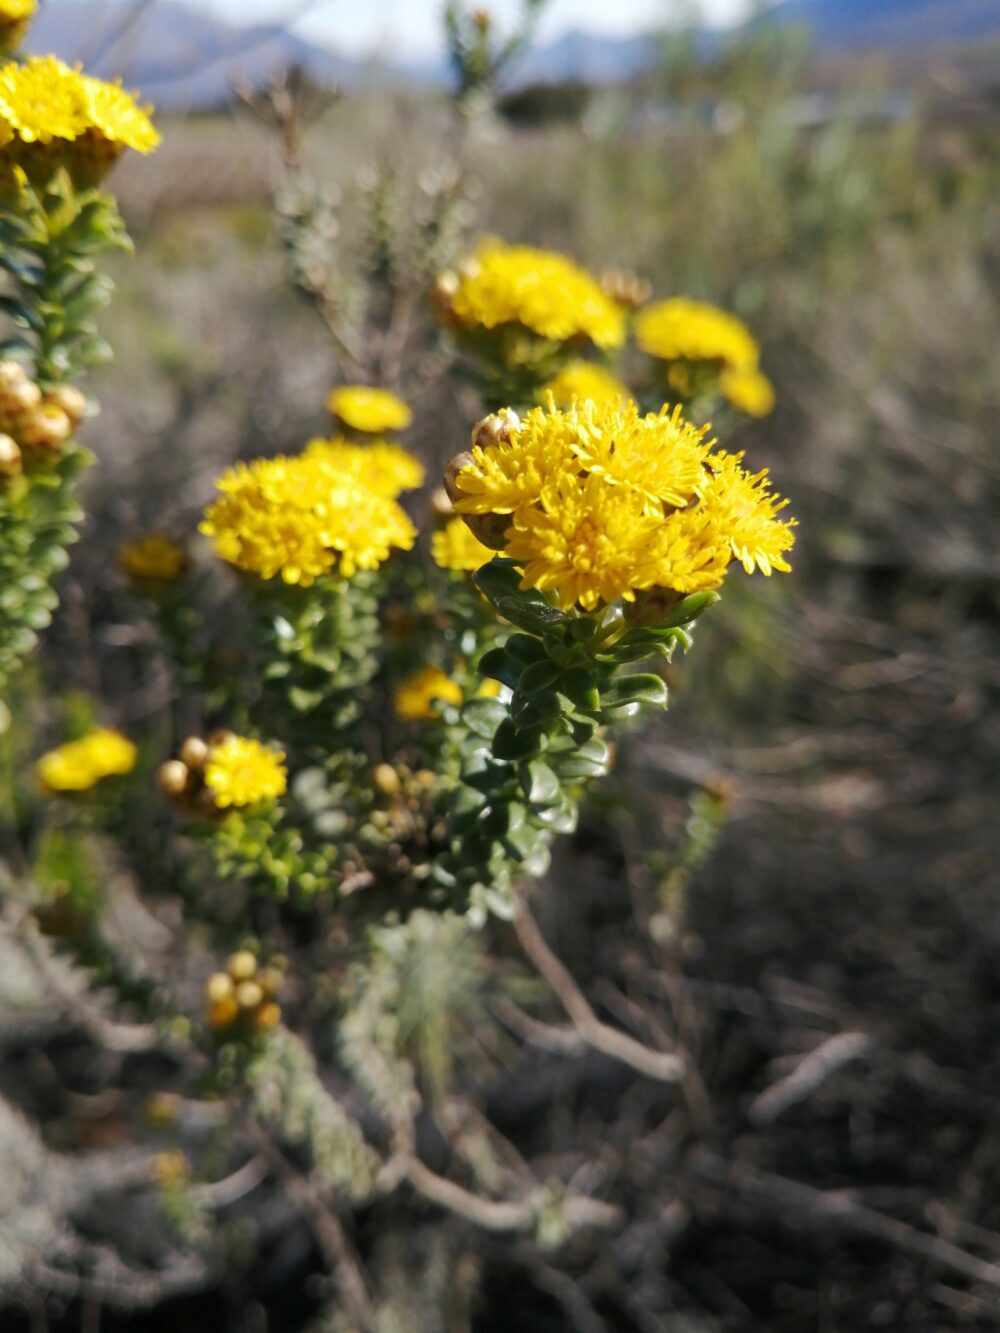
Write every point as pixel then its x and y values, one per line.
pixel 46 428
pixel 495 429
pixel 441 505
pixel 481 18
pixel 172 778
pixel 268 1016
pixel 444 291
pixel 219 737
pixel 18 401
pixel 70 400
pixel 626 288
pixel 453 467
pixel 11 374
pixel 224 1013
pixel 10 457
pixel 194 753
pixel 271 980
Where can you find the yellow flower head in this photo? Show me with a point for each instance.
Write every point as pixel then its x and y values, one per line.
pixel 749 391
pixel 416 697
pixel 537 289
pixel 153 558
pixel 383 468
pixel 371 411
pixel 585 380
pixel 291 517
pixel 455 547
pixel 55 116
pixel 15 16
pixel 81 764
pixel 744 511
pixel 601 503
pixel 684 330
pixel 240 771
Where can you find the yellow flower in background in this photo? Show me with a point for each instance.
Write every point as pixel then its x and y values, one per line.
pixel 384 468
pixel 455 547
pixel 416 697
pixel 744 510
pixel 154 558
pixel 55 116
pixel 371 411
pixel 542 291
pixel 582 380
pixel 684 330
pixel 240 771
pixel 293 518
pixel 15 16
pixel 749 391
pixel 81 764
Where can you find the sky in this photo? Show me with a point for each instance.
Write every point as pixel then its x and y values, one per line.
pixel 411 29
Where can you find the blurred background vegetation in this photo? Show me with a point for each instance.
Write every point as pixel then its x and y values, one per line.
pixel 805 849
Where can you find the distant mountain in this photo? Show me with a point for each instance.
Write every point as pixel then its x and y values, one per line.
pixel 851 24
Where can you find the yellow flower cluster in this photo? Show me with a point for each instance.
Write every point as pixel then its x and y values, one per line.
pixel 603 503
pixel 244 994
pixel 299 518
pixel 53 116
pixel 239 771
pixel 416 699
pixel 541 291
pixel 154 558
pixel 15 15
pixel 456 547
pixel 370 411
pixel 82 764
pixel 380 466
pixel 585 380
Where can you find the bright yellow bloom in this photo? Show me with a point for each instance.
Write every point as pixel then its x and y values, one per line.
pixel 81 764
pixel 744 511
pixel 371 411
pixel 684 330
pixel 17 9
pixel 542 291
pixel 455 547
pixel 585 380
pixel 291 517
pixel 416 697
pixel 598 503
pixel 240 771
pixel 749 391
pixel 15 16
pixel 383 468
pixel 56 116
pixel 154 558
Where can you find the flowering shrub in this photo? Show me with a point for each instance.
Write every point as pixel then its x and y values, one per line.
pixel 387 751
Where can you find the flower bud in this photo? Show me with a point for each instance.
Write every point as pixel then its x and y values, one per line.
pixel 249 995
pixel 218 987
pixel 495 429
pixel 222 1014
pixel 268 1016
pixel 490 529
pixel 441 505
pixel 271 980
pixel 18 401
pixel 220 736
pixel 46 428
pixel 194 753
pixel 444 291
pixel 70 400
pixel 172 778
pixel 242 965
pixel 453 467
pixel 10 457
pixel 626 288
pixel 385 779
pixel 11 374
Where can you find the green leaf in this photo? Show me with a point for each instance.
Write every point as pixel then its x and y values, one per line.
pixel 538 676
pixel 533 616
pixel 524 649
pixel 511 743
pixel 539 783
pixel 498 666
pixel 528 710
pixel 561 818
pixel 499 578
pixel 642 687
pixel 580 687
pixel 484 716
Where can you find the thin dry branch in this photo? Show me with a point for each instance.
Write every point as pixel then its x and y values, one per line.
pixel 809 1074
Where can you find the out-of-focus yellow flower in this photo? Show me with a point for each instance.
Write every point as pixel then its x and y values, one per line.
pixel 56 116
pixel 293 518
pixel 584 380
pixel 240 771
pixel 537 289
pixel 684 330
pixel 170 1168
pixel 81 764
pixel 368 410
pixel 455 547
pixel 744 510
pixel 749 391
pixel 415 699
pixel 154 558
pixel 15 16
pixel 380 466
pixel 599 503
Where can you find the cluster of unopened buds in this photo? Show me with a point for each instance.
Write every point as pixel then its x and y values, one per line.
pixel 34 425
pixel 626 288
pixel 243 998
pixel 183 778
